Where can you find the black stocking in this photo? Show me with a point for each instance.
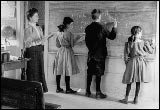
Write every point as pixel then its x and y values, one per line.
pixel 58 78
pixel 67 80
pixel 128 89
pixel 137 89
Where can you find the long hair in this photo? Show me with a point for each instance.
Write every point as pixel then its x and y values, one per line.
pixel 134 31
pixel 66 21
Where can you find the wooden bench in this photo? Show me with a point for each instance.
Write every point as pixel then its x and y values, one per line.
pixel 23 94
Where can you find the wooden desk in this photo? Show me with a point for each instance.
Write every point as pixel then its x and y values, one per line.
pixel 12 65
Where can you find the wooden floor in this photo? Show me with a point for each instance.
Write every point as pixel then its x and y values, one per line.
pixel 80 101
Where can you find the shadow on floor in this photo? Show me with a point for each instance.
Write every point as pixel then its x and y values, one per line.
pixel 93 96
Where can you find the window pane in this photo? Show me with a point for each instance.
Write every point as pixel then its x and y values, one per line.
pixel 8 20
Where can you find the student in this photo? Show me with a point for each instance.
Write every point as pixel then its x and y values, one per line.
pixel 33 44
pixel 136 66
pixel 96 34
pixel 65 63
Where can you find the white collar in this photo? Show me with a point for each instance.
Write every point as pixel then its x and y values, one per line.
pixel 32 24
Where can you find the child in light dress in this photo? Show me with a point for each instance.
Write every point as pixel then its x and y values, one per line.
pixel 65 63
pixel 137 70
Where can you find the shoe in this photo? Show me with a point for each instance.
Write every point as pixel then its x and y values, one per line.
pixel 125 101
pixel 100 95
pixel 135 101
pixel 60 90
pixel 71 91
pixel 88 94
pixel 45 91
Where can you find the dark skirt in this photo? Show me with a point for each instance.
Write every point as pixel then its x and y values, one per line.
pixel 96 66
pixel 35 66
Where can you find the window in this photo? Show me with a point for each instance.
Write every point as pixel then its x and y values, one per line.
pixel 8 22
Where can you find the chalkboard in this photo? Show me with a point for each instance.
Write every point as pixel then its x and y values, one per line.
pixel 125 15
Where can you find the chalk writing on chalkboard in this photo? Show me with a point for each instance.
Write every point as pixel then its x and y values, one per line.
pixel 126 20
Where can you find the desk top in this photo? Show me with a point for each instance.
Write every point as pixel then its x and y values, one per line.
pixel 11 65
pixel 16 61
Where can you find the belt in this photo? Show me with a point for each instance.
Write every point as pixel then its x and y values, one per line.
pixel 66 46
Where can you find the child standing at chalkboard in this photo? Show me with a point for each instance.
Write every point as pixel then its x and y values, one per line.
pixel 65 63
pixel 136 66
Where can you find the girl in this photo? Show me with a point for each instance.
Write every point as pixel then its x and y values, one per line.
pixel 65 63
pixel 136 65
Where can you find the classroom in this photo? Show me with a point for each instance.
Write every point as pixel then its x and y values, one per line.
pixel 14 64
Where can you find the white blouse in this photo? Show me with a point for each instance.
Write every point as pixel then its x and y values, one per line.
pixel 33 35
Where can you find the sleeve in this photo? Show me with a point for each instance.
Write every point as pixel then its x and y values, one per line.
pixel 72 39
pixel 41 32
pixel 87 39
pixel 110 35
pixel 42 36
pixel 148 47
pixel 28 37
pixel 57 42
pixel 126 53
